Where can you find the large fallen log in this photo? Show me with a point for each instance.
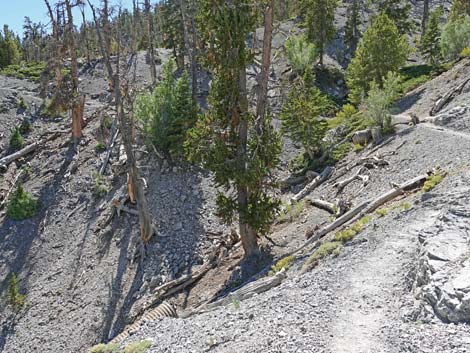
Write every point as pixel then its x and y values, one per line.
pixel 313 184
pixel 28 149
pixel 447 98
pixel 362 209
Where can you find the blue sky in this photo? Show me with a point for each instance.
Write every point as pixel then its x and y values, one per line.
pixel 12 12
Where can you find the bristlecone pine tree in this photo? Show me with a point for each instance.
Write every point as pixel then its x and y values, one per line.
pixel 382 49
pixel 352 33
pixel 460 9
pixel 225 139
pixel 430 42
pixel 319 19
pixel 399 12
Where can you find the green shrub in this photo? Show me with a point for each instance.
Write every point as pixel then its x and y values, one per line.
pixel 323 251
pixel 169 112
pixel 138 347
pixel 455 37
pixel 349 233
pixel 100 188
pixel 31 71
pixel 380 101
pixel 16 139
pixel 100 147
pixel 21 104
pixel 283 263
pixel 105 348
pixel 22 205
pixel 465 52
pixel 291 212
pixel 14 297
pixel 300 53
pixel 381 212
pixel 431 182
pixel 25 126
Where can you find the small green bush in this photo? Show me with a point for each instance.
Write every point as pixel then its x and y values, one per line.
pixel 291 212
pixel 323 251
pixel 25 126
pixel 14 297
pixel 283 263
pixel 21 103
pixel 300 53
pixel 381 212
pixel 22 205
pixel 431 182
pixel 465 53
pixel 31 71
pixel 100 147
pixel 105 348
pixel 138 347
pixel 16 139
pixel 349 233
pixel 101 187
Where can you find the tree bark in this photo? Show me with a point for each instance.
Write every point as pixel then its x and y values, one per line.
pixel 78 102
pixel 313 184
pixel 85 33
pixel 151 54
pixel 265 61
pixel 57 56
pixel 424 20
pixel 247 234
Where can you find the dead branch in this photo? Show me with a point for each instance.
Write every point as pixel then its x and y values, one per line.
pixel 447 98
pixel 313 184
pixel 324 205
pixel 340 185
pixel 110 145
pixel 11 178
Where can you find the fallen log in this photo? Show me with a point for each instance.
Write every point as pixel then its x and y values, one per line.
pixel 28 149
pixel 340 185
pixel 110 145
pixel 11 178
pixel 324 205
pixel 447 98
pixel 313 184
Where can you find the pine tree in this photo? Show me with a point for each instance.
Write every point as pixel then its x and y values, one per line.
pixel 173 31
pixel 430 42
pixel 455 37
pixel 303 115
pixel 352 33
pixel 460 9
pixel 382 49
pixel 10 48
pixel 319 20
pixel 399 12
pixel 168 112
pixel 227 139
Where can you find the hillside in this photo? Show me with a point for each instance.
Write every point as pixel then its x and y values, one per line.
pixel 393 279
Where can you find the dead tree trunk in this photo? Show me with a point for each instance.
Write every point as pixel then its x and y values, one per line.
pixel 313 184
pixel 265 61
pixel 85 33
pixel 151 54
pixel 78 102
pixel 57 56
pixel 146 228
pixel 424 20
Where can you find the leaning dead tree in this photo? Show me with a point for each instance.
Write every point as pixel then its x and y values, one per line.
pixel 56 45
pixel 137 189
pixel 78 100
pixel 151 54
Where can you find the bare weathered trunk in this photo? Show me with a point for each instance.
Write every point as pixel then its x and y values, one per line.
pixel 78 102
pixel 57 56
pixel 85 33
pixel 247 234
pixel 105 54
pixel 151 54
pixel 265 61
pixel 135 184
pixel 106 28
pixel 193 50
pixel 424 20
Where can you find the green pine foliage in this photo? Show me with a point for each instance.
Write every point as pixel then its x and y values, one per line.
pixel 380 101
pixel 455 37
pixel 138 347
pixel 303 116
pixel 15 298
pixel 301 54
pixel 168 112
pixel 10 48
pixel 240 150
pixel 105 348
pixel 430 43
pixel 382 49
pixel 22 205
pixel 460 9
pixel 172 29
pixel 352 33
pixel 16 139
pixel 319 19
pixel 399 12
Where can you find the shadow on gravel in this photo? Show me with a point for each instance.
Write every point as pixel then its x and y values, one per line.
pixel 19 236
pixel 410 100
